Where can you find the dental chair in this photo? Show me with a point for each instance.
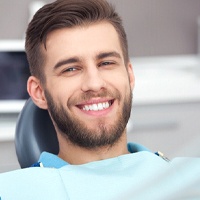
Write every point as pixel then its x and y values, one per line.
pixel 34 134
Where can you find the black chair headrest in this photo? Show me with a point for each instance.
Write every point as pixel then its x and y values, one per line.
pixel 34 134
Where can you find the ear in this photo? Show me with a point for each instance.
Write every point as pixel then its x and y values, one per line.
pixel 131 75
pixel 36 92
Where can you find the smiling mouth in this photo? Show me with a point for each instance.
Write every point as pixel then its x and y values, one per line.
pixel 97 106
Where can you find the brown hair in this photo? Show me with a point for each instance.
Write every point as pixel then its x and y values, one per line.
pixel 67 14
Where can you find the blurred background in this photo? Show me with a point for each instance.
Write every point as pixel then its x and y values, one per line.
pixel 167 27
pixel 164 47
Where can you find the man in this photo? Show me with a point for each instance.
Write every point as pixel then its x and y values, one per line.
pixel 81 73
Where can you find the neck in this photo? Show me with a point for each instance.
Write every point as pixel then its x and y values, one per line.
pixel 78 155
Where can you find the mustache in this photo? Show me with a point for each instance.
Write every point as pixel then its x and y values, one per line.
pixel 86 96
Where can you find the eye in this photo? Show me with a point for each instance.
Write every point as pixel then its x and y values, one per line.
pixel 106 63
pixel 70 71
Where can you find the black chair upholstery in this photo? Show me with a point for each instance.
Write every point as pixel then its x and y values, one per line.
pixel 34 134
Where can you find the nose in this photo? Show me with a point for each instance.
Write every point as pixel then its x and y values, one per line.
pixel 93 80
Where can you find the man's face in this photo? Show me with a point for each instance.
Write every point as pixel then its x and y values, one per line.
pixel 88 87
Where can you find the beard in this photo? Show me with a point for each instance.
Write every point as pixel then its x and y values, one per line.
pixel 75 130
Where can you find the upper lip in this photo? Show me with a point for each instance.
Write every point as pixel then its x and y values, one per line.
pixel 95 101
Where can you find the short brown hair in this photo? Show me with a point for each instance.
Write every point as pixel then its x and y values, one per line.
pixel 67 14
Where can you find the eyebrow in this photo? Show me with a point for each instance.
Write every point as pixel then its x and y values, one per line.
pixel 66 61
pixel 108 54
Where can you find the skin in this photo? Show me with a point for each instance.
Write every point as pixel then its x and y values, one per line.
pixel 79 61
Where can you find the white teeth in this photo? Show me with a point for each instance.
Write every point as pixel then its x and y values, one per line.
pixel 100 106
pixel 107 105
pixel 96 107
pixel 87 108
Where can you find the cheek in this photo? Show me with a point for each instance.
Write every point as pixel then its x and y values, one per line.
pixel 62 87
pixel 121 80
pixel 121 84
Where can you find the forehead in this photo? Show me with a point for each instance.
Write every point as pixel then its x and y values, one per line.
pixel 82 41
